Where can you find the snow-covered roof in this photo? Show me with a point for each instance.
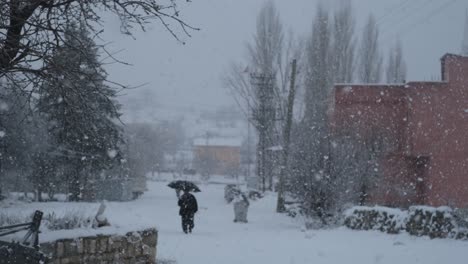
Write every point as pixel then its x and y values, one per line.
pixel 218 141
pixel 369 84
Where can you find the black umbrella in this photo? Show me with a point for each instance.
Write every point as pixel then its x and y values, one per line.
pixel 184 186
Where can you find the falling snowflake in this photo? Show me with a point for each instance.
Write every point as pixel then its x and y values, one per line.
pixel 2 134
pixel 3 106
pixel 112 153
pixel 318 177
pixel 347 89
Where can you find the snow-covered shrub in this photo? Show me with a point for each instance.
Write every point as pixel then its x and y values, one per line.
pixel 461 217
pixel 440 222
pixel 254 195
pixel 384 219
pixel 230 192
pixel 52 221
pixel 433 222
pixel 6 219
pixel 294 209
pixel 69 220
pixel 462 234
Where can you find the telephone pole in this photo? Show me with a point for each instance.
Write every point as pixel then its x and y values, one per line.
pixel 263 115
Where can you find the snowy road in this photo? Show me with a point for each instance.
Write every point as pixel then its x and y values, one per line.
pixel 267 238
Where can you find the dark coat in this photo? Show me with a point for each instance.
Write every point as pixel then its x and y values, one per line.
pixel 188 204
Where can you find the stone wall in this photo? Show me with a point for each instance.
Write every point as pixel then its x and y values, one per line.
pixel 134 247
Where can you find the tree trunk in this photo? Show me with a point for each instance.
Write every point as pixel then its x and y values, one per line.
pixel 280 208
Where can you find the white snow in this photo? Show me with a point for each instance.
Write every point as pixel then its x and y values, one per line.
pixel 2 134
pixel 3 106
pixel 347 89
pixel 267 237
pixel 112 153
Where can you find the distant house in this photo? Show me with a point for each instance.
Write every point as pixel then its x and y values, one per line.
pixel 423 130
pixel 217 155
pixel 178 162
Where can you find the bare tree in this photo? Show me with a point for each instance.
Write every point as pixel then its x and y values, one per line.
pixel 370 58
pixel 396 68
pixel 31 30
pixel 343 43
pixel 260 87
pixel 464 49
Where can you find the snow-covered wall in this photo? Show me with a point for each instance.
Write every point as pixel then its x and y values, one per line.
pixel 134 247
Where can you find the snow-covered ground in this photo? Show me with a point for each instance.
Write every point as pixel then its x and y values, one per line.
pixel 267 238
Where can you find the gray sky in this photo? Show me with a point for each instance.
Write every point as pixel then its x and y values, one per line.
pixel 182 78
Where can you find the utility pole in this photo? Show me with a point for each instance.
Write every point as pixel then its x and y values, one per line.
pixel 280 208
pixel 263 116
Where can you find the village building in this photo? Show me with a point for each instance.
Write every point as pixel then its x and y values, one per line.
pixel 217 155
pixel 423 130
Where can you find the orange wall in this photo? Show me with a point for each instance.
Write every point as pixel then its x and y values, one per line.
pixel 226 158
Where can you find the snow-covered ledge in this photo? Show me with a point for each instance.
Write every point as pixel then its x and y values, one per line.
pixel 133 247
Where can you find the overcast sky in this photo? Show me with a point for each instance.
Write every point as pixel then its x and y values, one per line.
pixel 181 77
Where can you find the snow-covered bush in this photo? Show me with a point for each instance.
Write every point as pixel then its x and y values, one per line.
pixel 440 222
pixel 230 192
pixel 384 219
pixel 254 195
pixel 433 222
pixel 6 219
pixel 53 221
pixel 294 209
pixel 69 220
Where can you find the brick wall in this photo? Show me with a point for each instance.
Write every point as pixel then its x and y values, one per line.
pixel 134 247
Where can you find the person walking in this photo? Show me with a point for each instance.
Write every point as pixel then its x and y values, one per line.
pixel 188 207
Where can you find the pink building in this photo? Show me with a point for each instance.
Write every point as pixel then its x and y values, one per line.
pixel 425 125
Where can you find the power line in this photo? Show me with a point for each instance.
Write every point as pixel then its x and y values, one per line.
pixel 433 13
pixel 393 10
pixel 407 16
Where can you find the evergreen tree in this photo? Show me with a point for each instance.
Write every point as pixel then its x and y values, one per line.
pixel 311 151
pixel 21 137
pixel 81 111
